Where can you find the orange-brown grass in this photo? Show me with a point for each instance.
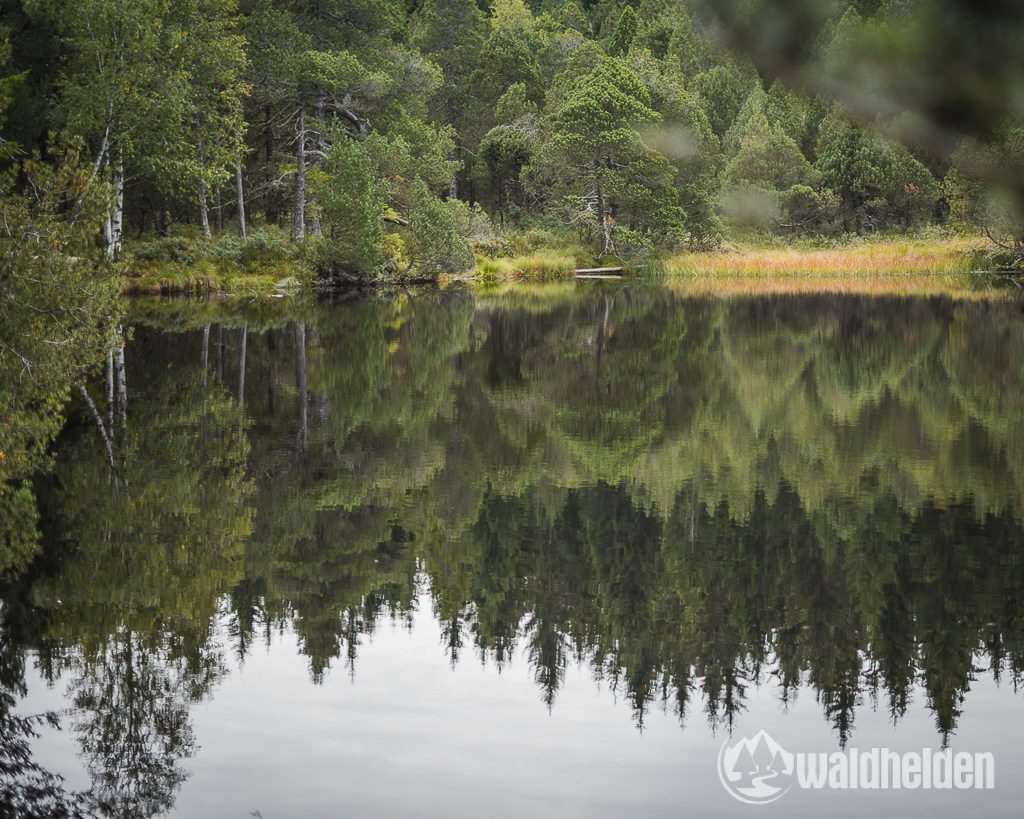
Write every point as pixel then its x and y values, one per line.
pixel 893 267
pixel 950 255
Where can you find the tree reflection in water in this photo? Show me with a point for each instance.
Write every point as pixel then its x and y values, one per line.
pixel 688 495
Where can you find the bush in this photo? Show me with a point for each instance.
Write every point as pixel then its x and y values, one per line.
pixel 436 246
pixel 471 221
pixel 266 246
pixel 631 244
pixel 353 202
pixel 176 249
pixel 396 254
pixel 228 246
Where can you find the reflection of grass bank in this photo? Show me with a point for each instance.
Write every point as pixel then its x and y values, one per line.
pixel 859 258
pixel 955 285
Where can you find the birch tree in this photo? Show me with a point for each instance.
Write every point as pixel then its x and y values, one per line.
pixel 154 88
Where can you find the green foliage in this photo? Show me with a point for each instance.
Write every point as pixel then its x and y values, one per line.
pixel 194 264
pixel 57 310
pixel 878 181
pixel 353 200
pixel 974 202
pixel 722 92
pixel 768 178
pixel 398 158
pixel 503 153
pixel 594 142
pixel 624 34
pixel 154 85
pixel 513 105
pixel 767 158
pixel 435 246
pixel 598 115
pixel 582 99
pixel 685 50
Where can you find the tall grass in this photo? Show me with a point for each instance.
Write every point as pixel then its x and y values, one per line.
pixel 536 264
pixel 877 258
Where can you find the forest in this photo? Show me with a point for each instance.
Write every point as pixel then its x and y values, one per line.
pixel 413 138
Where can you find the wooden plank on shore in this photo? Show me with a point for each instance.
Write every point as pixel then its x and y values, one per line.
pixel 585 271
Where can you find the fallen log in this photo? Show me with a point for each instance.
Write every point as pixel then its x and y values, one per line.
pixel 589 271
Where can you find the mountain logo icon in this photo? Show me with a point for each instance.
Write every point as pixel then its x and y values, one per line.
pixel 755 770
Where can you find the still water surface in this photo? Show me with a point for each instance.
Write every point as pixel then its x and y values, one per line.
pixel 531 552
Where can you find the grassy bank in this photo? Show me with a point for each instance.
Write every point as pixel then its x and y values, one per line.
pixel 862 257
pixel 269 263
pixel 266 263
pixel 760 259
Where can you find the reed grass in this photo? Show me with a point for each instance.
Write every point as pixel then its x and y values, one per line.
pixel 878 258
pixel 536 264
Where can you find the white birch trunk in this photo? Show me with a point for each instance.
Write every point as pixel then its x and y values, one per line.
pixel 204 216
pixel 115 225
pixel 122 384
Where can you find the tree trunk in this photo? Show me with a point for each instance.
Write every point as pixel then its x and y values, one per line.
pixel 268 148
pixel 122 383
pixel 204 216
pixel 110 388
pixel 241 200
pixel 453 183
pixel 268 140
pixel 299 212
pixel 205 357
pixel 314 220
pixel 453 156
pixel 220 353
pixel 300 366
pixel 241 364
pixel 114 228
pixel 219 209
pixel 119 210
pixel 602 219
pixel 108 235
pixel 99 424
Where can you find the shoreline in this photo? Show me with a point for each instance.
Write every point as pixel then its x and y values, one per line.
pixel 871 266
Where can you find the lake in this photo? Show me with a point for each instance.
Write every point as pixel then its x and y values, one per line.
pixel 561 550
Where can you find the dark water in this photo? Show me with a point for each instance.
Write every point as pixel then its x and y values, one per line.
pixel 531 553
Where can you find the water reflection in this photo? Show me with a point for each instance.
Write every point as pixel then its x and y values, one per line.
pixel 687 495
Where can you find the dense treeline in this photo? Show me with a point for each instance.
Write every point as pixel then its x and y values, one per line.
pixel 400 134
